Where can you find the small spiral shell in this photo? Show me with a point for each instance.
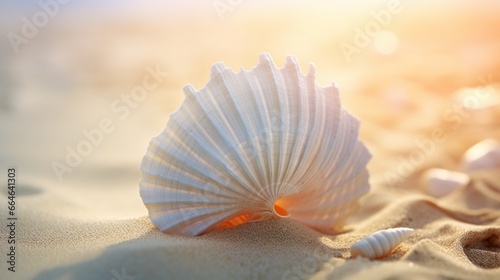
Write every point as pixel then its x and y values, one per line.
pixel 380 243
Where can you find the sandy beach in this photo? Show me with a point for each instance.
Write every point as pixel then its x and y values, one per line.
pixel 73 136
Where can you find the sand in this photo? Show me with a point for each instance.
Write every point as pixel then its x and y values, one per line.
pixel 451 241
pixel 92 224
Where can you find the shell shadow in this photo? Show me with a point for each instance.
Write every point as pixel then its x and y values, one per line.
pixel 268 248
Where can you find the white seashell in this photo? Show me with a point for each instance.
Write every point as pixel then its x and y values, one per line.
pixel 483 155
pixel 255 145
pixel 380 243
pixel 440 182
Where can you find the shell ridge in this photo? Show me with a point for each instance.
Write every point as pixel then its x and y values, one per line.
pixel 282 144
pixel 329 145
pixel 376 244
pixel 343 146
pixel 386 242
pixel 168 157
pixel 267 75
pixel 189 90
pixel 199 225
pixel 266 135
pixel 251 147
pixel 247 139
pixel 295 79
pixel 186 189
pixel 311 97
pixel 330 221
pixel 210 145
pixel 191 218
pixel 217 69
pixel 310 178
pixel 206 187
pixel 170 217
pixel 241 163
pixel 311 73
pixel 214 154
pixel 351 160
pixel 288 106
pixel 328 200
pixel 231 83
pixel 319 149
pixel 259 100
pixel 363 159
pixel 367 247
pixel 311 168
pixel 200 102
pixel 309 172
pixel 327 204
pixel 355 162
pixel 188 186
pixel 281 125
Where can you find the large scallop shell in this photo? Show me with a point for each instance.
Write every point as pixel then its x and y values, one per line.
pixel 255 145
pixel 380 243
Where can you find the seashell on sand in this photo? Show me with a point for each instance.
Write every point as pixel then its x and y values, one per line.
pixel 380 243
pixel 483 155
pixel 254 145
pixel 439 182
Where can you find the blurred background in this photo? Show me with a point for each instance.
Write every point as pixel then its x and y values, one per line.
pixel 74 121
